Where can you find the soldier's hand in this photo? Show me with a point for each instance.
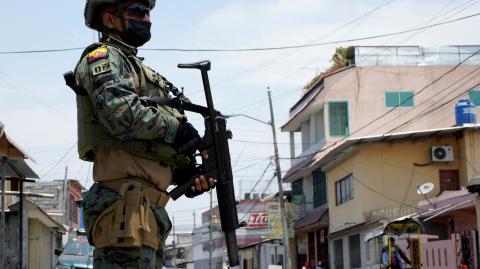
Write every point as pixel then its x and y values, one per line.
pixel 202 184
pixel 187 138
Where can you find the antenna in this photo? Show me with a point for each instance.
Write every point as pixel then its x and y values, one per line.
pixel 424 189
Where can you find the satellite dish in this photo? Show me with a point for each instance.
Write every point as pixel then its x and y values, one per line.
pixel 424 189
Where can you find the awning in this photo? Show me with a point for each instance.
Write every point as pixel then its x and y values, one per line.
pixel 14 157
pixel 299 166
pixel 398 226
pixel 445 203
pixel 312 218
pixel 8 148
pixel 18 168
pixel 35 212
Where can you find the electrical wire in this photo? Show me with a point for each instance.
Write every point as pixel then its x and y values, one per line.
pixel 265 48
pixel 377 192
pixel 58 162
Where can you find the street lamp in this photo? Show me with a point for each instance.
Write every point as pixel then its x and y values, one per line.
pixel 271 123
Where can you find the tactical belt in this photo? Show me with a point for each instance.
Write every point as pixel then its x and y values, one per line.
pixel 154 195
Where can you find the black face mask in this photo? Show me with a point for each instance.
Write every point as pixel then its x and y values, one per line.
pixel 138 32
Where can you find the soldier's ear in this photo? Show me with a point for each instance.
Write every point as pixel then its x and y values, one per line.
pixel 108 20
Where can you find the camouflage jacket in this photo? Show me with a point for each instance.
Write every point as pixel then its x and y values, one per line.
pixel 116 114
pixel 112 75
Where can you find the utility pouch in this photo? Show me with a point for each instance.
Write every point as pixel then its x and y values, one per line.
pixel 128 222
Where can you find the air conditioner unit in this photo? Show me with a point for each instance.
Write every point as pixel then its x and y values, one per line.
pixel 442 154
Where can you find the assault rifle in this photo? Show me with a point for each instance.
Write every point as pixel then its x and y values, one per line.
pixel 217 165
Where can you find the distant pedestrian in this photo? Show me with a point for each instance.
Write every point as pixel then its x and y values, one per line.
pixel 319 265
pixel 396 256
pixel 306 265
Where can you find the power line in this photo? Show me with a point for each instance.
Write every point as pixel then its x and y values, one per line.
pixel 377 192
pixel 275 59
pixel 59 161
pixel 264 48
pixel 396 107
pixel 323 43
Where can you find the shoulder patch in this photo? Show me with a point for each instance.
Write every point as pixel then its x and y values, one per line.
pixel 100 53
pixel 101 68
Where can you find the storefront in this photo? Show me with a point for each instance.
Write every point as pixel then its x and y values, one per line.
pixel 311 238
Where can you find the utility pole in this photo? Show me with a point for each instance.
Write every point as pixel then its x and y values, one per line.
pixel 286 247
pixel 194 222
pixel 173 230
pixel 210 233
pixel 65 194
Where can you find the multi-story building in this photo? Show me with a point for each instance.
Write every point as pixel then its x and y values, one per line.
pixel 65 211
pixel 375 179
pixel 383 90
pixel 256 250
pixel 179 254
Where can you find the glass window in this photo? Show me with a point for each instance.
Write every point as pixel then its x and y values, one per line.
pixel 344 190
pixel 475 96
pixel 319 188
pixel 297 187
pixel 406 99
pixel 354 251
pixel 338 118
pixel 399 99
pixel 391 99
pixel 338 253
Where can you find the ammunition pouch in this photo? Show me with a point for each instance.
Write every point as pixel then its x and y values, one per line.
pixel 129 221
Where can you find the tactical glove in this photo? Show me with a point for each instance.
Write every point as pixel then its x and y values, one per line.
pixel 187 139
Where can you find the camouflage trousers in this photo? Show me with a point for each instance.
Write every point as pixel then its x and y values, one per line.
pixel 97 199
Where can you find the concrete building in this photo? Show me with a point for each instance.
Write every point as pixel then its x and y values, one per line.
pixel 253 213
pixel 42 234
pixel 383 90
pixel 29 236
pixel 375 179
pixel 56 207
pixel 261 254
pixel 179 254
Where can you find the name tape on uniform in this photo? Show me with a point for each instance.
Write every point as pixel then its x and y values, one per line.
pixel 101 68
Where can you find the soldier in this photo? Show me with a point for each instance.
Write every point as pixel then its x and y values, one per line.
pixel 132 142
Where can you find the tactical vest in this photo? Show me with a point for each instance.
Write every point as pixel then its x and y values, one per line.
pixel 92 134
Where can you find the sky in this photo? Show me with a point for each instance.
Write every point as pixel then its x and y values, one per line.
pixel 39 111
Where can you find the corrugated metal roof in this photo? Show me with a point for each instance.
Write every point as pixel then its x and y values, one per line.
pixel 18 168
pixel 311 218
pixel 14 156
pixel 10 143
pixel 325 156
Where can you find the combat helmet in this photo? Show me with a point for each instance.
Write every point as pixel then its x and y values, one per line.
pixel 92 7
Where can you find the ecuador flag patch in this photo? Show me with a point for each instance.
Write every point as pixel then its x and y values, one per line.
pixel 97 54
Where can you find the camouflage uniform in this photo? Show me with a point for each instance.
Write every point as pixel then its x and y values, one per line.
pixel 116 82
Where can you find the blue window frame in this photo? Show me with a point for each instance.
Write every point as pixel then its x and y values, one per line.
pixel 399 99
pixel 338 118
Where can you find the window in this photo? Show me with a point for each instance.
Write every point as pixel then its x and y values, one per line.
pixel 344 190
pixel 399 99
pixel 338 118
pixel 319 188
pixel 475 96
pixel 354 251
pixel 297 188
pixel 72 210
pixel 338 254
